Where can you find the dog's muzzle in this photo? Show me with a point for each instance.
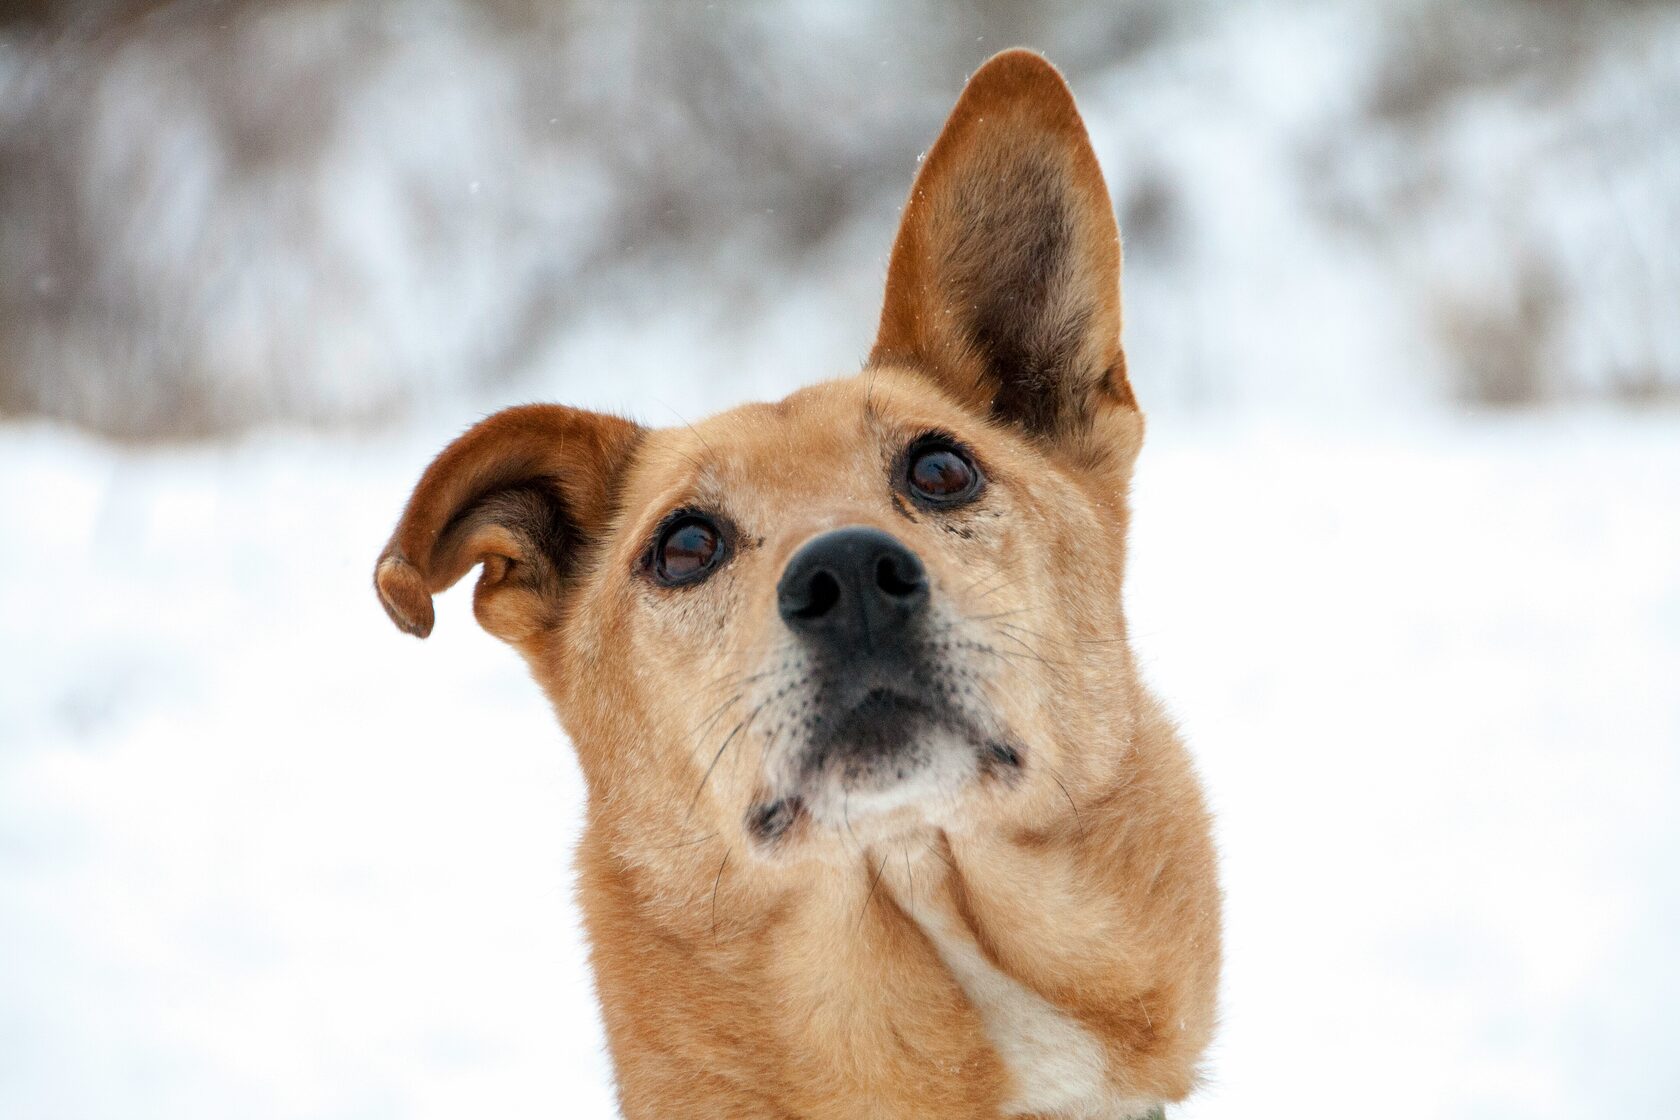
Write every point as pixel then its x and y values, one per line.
pixel 857 598
pixel 885 712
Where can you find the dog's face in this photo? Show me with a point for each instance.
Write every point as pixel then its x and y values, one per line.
pixel 863 608
pixel 883 606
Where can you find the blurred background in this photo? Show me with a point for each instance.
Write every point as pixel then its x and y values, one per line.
pixel 1403 303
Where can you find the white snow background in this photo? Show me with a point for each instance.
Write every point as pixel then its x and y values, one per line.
pixel 262 856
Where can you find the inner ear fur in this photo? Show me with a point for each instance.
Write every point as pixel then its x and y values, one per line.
pixel 1004 280
pixel 523 493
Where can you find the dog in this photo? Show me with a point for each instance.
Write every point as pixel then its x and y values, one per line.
pixel 881 820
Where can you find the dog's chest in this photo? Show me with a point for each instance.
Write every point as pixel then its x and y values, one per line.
pixel 1056 1066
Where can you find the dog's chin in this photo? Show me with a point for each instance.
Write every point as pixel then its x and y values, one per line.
pixel 891 765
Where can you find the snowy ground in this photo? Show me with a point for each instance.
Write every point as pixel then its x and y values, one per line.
pixel 262 856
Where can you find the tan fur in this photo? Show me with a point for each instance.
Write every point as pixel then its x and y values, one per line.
pixel 870 968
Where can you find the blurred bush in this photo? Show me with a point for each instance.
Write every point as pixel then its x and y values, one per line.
pixel 215 215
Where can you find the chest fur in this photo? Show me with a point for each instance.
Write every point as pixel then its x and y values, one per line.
pixel 1057 1068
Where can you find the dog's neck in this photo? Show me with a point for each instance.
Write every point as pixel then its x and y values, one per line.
pixel 1041 948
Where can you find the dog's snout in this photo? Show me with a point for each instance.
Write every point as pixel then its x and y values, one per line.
pixel 851 590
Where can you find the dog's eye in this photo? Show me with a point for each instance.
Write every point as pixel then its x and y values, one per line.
pixel 688 548
pixel 940 473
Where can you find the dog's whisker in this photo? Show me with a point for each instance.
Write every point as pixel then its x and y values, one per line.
pixel 1025 651
pixel 982 578
pixel 846 817
pixel 863 911
pixel 1056 776
pixel 717 713
pixel 1066 642
pixel 716 883
pixel 1029 650
pixel 1016 627
pixel 942 857
pixel 735 679
pixel 683 843
pixel 999 614
pixel 1011 654
pixel 730 738
pixel 704 778
pixel 1017 633
pixel 712 719
pixel 685 423
pixel 1005 585
pixel 747 651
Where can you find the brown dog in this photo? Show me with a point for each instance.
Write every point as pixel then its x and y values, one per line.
pixel 881 821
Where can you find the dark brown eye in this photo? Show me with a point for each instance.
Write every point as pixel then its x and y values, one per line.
pixel 941 474
pixel 688 548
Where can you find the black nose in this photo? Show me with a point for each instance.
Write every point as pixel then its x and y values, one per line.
pixel 853 590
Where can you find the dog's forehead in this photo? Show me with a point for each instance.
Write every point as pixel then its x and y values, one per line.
pixel 815 437
pixel 819 428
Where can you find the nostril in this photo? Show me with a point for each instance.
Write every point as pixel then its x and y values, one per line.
pixel 852 587
pixel 895 582
pixel 823 592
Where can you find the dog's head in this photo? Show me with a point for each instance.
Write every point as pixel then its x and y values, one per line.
pixel 883 605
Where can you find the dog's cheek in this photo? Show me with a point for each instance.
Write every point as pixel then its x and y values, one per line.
pixel 689 650
pixel 596 623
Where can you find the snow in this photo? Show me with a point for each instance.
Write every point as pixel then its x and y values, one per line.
pixel 263 856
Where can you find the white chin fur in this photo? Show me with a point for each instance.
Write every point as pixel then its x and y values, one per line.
pixel 930 788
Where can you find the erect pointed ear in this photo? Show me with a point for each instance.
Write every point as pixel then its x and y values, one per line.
pixel 1004 282
pixel 524 493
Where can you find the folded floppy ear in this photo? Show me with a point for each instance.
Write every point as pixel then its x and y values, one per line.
pixel 523 492
pixel 1004 282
